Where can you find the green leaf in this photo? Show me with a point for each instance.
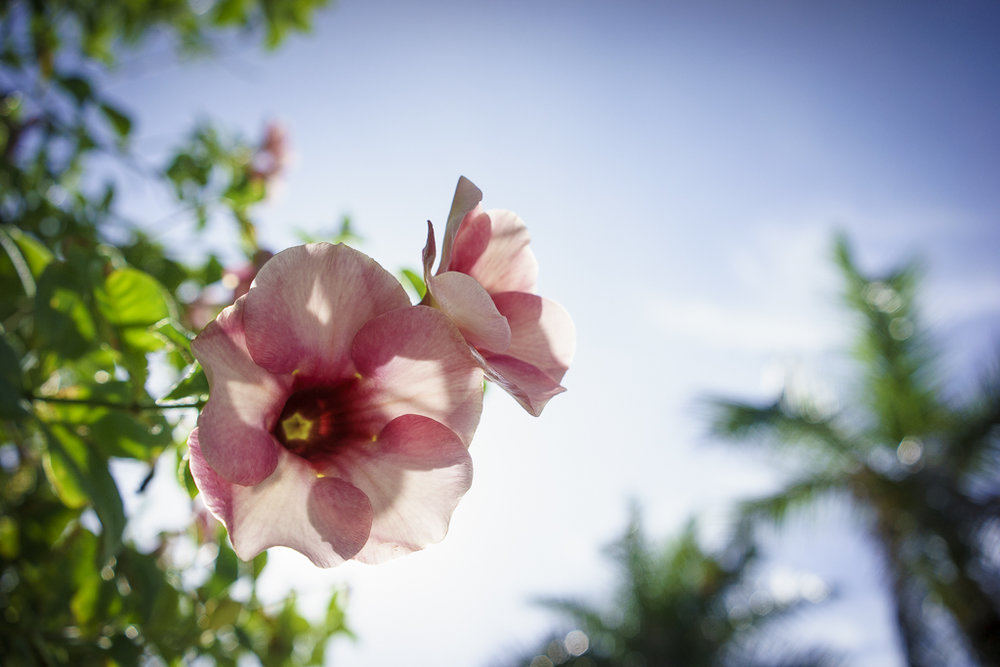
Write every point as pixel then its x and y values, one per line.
pixel 11 384
pixel 145 577
pixel 104 206
pixel 416 282
pixel 124 651
pixel 78 87
pixel 81 477
pixel 118 119
pixel 63 322
pixel 142 341
pixel 10 538
pixel 185 477
pixel 227 570
pixel 112 432
pixel 225 612
pixel 132 298
pixel 117 433
pixel 174 333
pixel 194 383
pixel 85 600
pixel 346 232
pixel 211 272
pixel 35 254
pixel 335 616
pixel 257 564
pixel 231 12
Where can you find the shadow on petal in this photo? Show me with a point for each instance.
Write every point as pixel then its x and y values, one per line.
pixel 414 475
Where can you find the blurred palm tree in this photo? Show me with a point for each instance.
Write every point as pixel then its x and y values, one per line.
pixel 921 468
pixel 677 605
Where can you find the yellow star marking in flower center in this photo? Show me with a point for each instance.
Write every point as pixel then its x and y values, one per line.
pixel 296 427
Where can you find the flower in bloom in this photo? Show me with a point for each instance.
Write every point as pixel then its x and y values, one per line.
pixel 486 284
pixel 339 415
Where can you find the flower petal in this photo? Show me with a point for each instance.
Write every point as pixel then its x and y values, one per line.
pixel 470 307
pixel 244 401
pixel 542 332
pixel 467 197
pixel 308 302
pixel 430 251
pixel 529 386
pixel 493 247
pixel 325 518
pixel 414 474
pixel 414 361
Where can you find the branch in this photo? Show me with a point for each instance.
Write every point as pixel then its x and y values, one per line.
pixel 134 406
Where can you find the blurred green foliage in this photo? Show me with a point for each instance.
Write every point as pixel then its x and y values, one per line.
pixel 678 604
pixel 89 304
pixel 921 467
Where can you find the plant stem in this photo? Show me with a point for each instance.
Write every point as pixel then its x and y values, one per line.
pixel 129 407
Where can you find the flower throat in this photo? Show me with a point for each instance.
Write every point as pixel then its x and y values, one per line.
pixel 316 420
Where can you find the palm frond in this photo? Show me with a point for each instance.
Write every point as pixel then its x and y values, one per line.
pixel 778 424
pixel 796 495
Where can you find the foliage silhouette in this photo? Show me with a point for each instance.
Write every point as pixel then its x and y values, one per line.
pixel 679 605
pixel 921 469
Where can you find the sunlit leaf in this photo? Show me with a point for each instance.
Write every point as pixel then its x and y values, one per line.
pixel 10 538
pixel 225 612
pixel 84 602
pixel 177 337
pixel 174 332
pixel 231 12
pixel 142 340
pixel 185 477
pixel 258 564
pixel 35 254
pixel 63 320
pixel 194 383
pixel 133 298
pixel 416 282
pixel 335 616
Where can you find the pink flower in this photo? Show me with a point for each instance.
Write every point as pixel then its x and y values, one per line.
pixel 240 279
pixel 339 415
pixel 486 283
pixel 272 156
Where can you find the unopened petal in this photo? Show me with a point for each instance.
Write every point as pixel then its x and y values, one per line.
pixel 467 197
pixel 308 302
pixel 244 402
pixel 414 474
pixel 463 299
pixel 414 361
pixel 325 518
pixel 430 251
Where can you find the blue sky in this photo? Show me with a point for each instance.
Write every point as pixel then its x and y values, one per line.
pixel 682 168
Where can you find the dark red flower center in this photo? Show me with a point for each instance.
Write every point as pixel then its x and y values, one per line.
pixel 317 420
